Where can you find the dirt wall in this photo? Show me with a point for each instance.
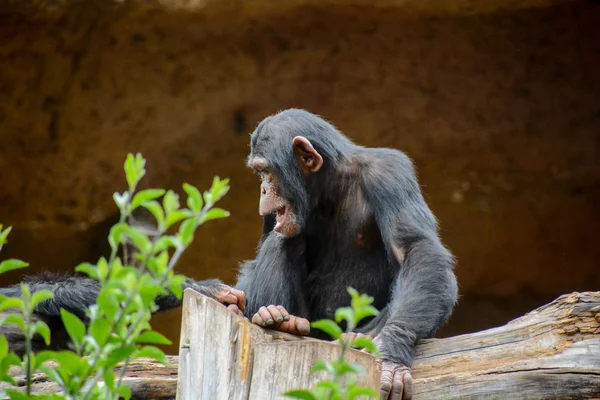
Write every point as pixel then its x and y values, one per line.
pixel 500 112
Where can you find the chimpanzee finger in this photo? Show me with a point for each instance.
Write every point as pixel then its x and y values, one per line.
pixel 408 386
pixel 302 325
pixel 397 385
pixel 257 320
pixel 284 313
pixel 235 309
pixel 227 297
pixel 241 299
pixel 387 376
pixel 275 314
pixel 266 315
pixel 295 326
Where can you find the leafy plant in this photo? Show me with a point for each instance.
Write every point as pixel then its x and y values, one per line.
pixel 118 329
pixel 342 385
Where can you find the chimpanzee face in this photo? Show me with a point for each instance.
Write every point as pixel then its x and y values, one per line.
pixel 271 200
pixel 279 192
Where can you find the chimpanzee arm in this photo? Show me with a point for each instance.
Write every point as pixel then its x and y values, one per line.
pixel 76 293
pixel 425 290
pixel 73 293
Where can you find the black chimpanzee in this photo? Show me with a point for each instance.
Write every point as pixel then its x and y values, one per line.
pixel 336 215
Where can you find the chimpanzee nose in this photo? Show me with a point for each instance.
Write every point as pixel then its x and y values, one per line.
pixel 264 191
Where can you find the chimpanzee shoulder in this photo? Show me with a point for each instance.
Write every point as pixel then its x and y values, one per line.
pixel 391 187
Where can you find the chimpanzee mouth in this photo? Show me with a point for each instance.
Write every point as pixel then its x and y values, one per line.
pixel 281 217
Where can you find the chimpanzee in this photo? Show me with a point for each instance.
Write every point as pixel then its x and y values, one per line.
pixel 76 293
pixel 336 214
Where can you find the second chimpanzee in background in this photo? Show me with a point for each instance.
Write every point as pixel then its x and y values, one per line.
pixel 337 215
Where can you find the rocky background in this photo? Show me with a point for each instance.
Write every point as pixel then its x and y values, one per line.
pixel 497 102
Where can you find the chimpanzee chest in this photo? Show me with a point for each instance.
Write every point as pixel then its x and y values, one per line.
pixel 348 254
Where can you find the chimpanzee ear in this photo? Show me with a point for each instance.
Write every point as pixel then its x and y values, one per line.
pixel 307 156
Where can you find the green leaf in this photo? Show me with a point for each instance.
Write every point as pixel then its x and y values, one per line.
pixel 108 303
pixel 40 296
pixel 329 327
pixel 109 379
pixel 154 353
pixel 42 357
pixel 143 196
pixel 42 329
pixel 25 292
pixel 115 268
pixel 219 189
pixel 345 368
pixel 215 213
pixel 175 217
pixel 115 237
pixel 9 265
pixel 365 343
pixel 152 337
pixel 134 169
pixel 140 240
pixel 331 385
pixel 194 200
pixel 125 391
pixel 357 391
pixel 170 202
pixel 11 302
pixel 4 234
pixel 3 347
pixel 74 326
pixel 16 395
pixel 364 312
pixel 186 230
pixel 345 313
pixel 354 295
pixel 157 211
pixel 166 242
pixel 100 330
pixel 15 319
pixel 119 354
pixel 321 365
pixel 88 269
pixel 300 394
pixel 176 285
pixel 69 362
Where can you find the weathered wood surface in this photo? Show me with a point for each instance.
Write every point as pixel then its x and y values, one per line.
pixel 552 352
pixel 223 356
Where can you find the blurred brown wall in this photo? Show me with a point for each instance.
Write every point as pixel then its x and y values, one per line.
pixel 500 111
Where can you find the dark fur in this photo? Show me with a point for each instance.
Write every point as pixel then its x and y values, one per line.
pixel 398 258
pixel 75 294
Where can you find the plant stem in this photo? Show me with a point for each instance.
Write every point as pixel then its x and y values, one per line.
pixel 28 335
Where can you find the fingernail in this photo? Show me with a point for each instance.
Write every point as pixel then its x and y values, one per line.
pixel 305 326
pixel 269 321
pixel 286 318
pixel 279 319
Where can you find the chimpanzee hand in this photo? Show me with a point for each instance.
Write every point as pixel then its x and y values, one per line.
pixel 396 381
pixel 277 317
pixel 234 299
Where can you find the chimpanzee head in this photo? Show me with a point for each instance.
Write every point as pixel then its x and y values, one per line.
pixel 293 151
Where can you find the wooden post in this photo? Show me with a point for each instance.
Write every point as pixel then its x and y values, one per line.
pixel 223 356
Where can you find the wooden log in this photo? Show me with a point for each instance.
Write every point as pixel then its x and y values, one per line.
pixel 550 353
